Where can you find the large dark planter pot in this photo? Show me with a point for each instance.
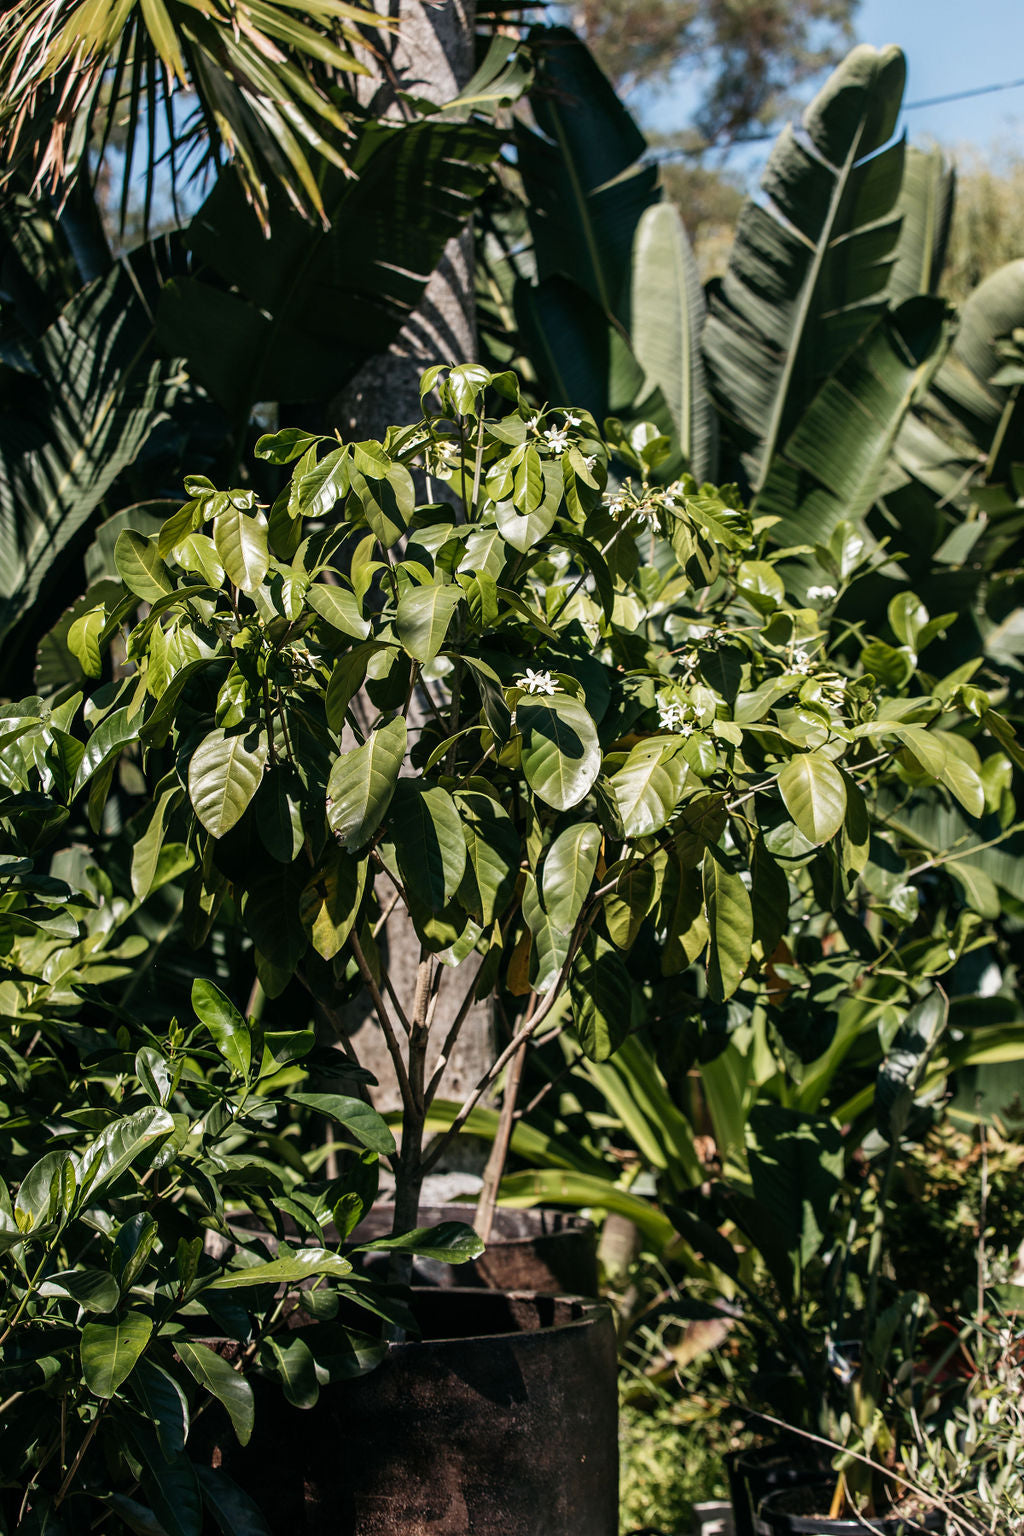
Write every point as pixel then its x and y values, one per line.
pixel 534 1250
pixel 789 1512
pixel 502 1421
pixel 753 1474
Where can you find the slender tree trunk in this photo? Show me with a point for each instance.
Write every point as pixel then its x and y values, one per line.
pixel 431 55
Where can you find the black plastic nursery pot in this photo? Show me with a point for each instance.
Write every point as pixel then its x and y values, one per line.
pixel 755 1473
pixel 794 1512
pixel 501 1421
pixel 531 1250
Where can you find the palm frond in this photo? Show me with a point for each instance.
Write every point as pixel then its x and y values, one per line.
pixel 88 397
pixel 292 318
pixel 808 269
pixel 262 75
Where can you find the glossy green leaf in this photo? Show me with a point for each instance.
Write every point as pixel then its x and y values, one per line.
pixel 331 902
pixel 730 926
pixel 117 1147
pixel 284 446
pixel 424 617
pixel 225 772
pixel 340 608
pixel 549 947
pixel 294 1367
pixel 626 907
pixel 430 845
pixel 107 742
pixel 140 567
pixel 346 680
pixel 146 849
pixel 83 641
pixel 450 1242
pixel 163 1403
pixel 95 1290
pixel 647 788
pixel 814 794
pixel 241 540
pixel 568 872
pixel 601 996
pixel 493 854
pixel 231 1033
pixel 561 752
pixel 109 1351
pixel 302 1265
pixel 358 1117
pixel 362 783
pixel 220 1379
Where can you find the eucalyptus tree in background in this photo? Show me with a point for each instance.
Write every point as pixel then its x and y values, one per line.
pixel 749 57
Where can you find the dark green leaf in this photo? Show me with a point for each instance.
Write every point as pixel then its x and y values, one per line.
pixel 110 1350
pixel 362 783
pixel 230 1031
pixel 226 1384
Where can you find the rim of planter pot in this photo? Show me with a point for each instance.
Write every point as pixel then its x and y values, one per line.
pixel 772 1517
pixel 554 1311
pixel 535 1221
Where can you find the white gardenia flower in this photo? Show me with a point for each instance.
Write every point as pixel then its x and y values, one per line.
pixel 557 438
pixel 537 682
pixel 571 420
pixel 670 715
pixel 822 594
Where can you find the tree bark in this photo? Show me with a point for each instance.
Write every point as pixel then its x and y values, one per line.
pixel 430 55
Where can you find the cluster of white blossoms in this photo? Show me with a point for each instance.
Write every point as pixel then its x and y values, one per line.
pixel 672 716
pixel 648 514
pixel 800 661
pixel 441 457
pixel 821 594
pixel 536 682
pixel 556 437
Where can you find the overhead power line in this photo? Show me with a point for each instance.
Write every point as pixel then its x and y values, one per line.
pixel 908 106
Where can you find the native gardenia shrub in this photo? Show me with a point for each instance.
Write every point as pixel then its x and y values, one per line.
pixel 550 707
